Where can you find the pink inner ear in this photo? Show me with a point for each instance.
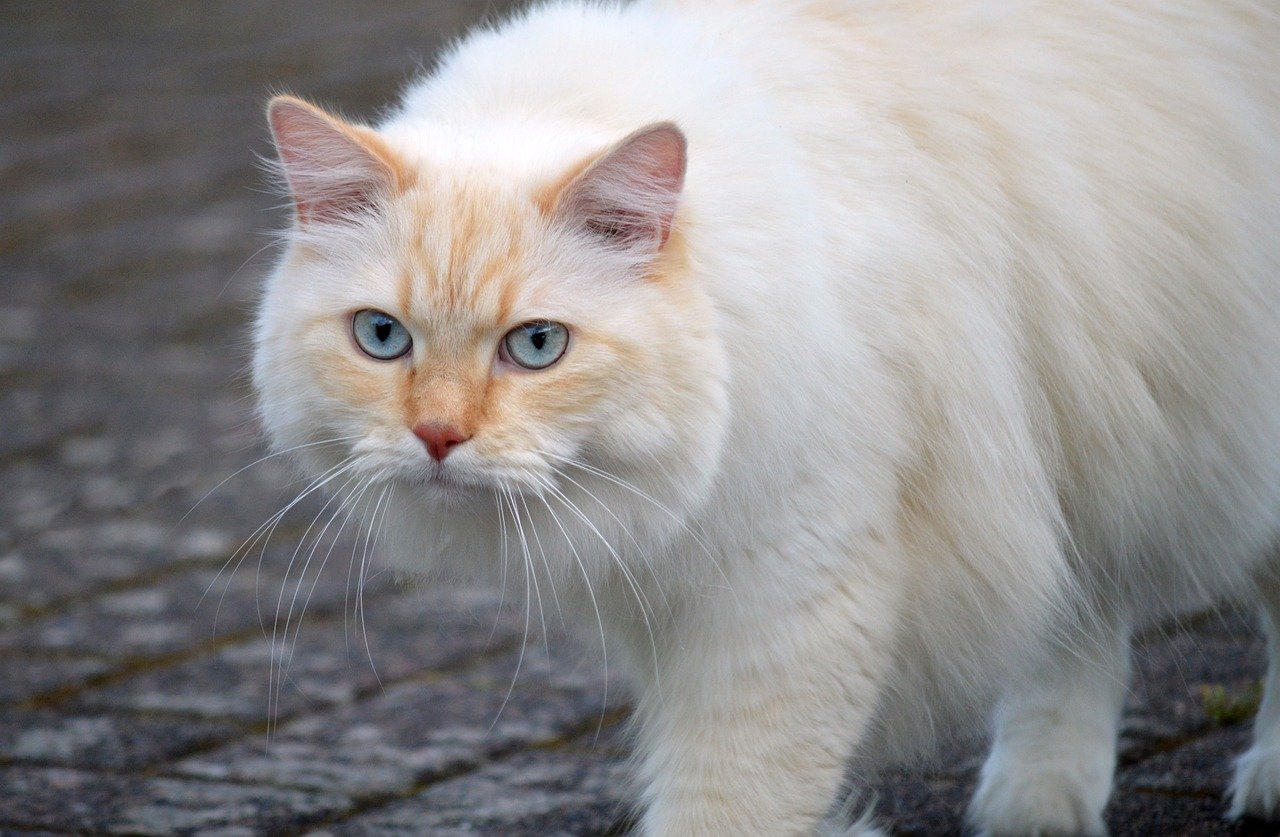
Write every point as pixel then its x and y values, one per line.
pixel 332 172
pixel 629 195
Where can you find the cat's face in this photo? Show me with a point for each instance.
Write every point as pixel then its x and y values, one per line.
pixel 458 331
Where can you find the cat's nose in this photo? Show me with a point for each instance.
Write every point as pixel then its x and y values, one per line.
pixel 439 438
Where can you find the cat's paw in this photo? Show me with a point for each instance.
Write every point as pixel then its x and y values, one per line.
pixel 1255 789
pixel 1043 802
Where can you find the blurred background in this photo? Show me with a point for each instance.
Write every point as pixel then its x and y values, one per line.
pixel 152 684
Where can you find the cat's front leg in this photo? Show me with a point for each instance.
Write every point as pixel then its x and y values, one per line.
pixel 1051 766
pixel 749 724
pixel 1255 788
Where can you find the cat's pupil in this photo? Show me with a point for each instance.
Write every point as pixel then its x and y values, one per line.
pixel 383 331
pixel 538 339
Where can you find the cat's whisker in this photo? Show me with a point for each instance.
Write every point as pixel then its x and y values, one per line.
pixel 586 578
pixel 533 529
pixel 528 603
pixel 247 544
pixel 624 484
pixel 262 553
pixel 641 599
pixel 353 500
pixel 270 244
pixel 348 504
pixel 502 537
pixel 273 707
pixel 365 559
pixel 640 550
pixel 527 552
pixel 262 533
pixel 259 461
pixel 621 483
pixel 366 523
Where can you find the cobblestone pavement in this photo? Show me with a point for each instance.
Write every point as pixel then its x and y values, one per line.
pixel 131 222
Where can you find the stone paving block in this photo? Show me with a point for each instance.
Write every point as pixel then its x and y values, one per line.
pixel 912 804
pixel 192 608
pixel 330 664
pixel 1219 646
pixel 415 733
pixel 1166 701
pixel 529 794
pixel 236 682
pixel 38 417
pixel 1200 766
pixel 1175 815
pixel 23 676
pixel 65 562
pixel 412 733
pixel 34 578
pixel 76 800
pixel 35 494
pixel 115 742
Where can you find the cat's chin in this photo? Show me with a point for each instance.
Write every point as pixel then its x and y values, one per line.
pixel 440 488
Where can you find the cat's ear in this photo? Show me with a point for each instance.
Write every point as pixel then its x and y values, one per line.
pixel 628 195
pixel 335 170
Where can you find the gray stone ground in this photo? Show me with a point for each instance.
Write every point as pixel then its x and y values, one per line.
pixel 131 222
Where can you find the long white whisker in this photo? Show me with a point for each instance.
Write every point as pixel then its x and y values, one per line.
pixel 530 582
pixel 364 627
pixel 657 582
pixel 621 483
pixel 542 553
pixel 502 596
pixel 366 522
pixel 641 599
pixel 275 624
pixel 247 545
pixel 259 461
pixel 350 503
pixel 586 577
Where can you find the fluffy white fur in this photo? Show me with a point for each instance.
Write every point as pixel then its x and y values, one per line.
pixel 974 364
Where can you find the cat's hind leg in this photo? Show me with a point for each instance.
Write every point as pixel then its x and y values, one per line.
pixel 1050 769
pixel 1255 789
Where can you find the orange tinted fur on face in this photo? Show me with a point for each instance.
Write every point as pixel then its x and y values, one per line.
pixel 445 397
pixel 402 175
pixel 464 249
pixel 548 196
pixel 347 374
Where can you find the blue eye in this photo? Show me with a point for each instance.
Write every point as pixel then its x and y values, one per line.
pixel 536 345
pixel 380 335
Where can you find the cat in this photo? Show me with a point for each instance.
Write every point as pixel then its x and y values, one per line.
pixel 852 370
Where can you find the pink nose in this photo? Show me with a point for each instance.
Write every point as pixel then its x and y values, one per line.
pixel 439 438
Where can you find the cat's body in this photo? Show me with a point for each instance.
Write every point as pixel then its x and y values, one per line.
pixel 960 356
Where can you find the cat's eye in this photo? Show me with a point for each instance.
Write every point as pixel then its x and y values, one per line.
pixel 380 335
pixel 536 345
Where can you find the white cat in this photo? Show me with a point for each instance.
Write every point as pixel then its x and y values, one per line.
pixel 842 365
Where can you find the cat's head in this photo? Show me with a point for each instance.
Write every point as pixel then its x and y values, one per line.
pixel 460 315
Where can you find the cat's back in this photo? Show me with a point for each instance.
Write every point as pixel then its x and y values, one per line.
pixel 959 101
